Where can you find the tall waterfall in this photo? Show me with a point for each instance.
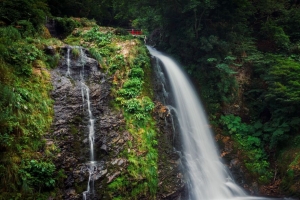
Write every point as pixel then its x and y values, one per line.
pixel 207 177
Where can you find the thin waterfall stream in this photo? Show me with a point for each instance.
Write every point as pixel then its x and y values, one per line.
pixel 91 165
pixel 85 91
pixel 68 62
pixel 207 177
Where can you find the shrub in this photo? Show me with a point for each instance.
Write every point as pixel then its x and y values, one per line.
pixel 136 73
pixel 97 37
pixel 26 28
pixel 96 54
pixel 65 26
pixel 251 146
pixel 121 31
pixel 131 88
pixel 21 56
pixel 132 105
pixel 37 174
pixel 9 34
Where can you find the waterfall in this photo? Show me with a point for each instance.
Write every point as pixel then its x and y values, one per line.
pixel 207 177
pixel 91 166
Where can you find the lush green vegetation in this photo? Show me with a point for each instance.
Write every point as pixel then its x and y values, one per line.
pixel 26 15
pixel 131 96
pixel 247 137
pixel 245 55
pixel 26 167
pixel 242 53
pixel 134 99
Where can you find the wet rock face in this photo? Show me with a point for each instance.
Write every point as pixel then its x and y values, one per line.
pixel 70 132
pixel 71 122
pixel 171 183
pixel 233 160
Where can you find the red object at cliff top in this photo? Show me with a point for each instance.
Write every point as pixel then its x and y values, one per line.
pixel 135 32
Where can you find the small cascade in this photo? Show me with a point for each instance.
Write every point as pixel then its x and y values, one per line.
pixel 207 177
pixel 86 96
pixel 159 74
pixel 68 63
pixel 81 99
pixel 91 166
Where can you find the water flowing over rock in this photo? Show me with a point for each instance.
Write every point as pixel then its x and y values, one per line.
pixel 90 135
pixel 207 177
pixel 171 185
pixel 72 123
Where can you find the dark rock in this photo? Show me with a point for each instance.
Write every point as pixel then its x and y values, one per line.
pixel 71 121
pixel 50 50
pixel 104 148
pixel 171 184
pixel 100 174
pixel 112 177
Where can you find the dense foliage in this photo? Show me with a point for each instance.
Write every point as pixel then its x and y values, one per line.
pixel 26 15
pixel 243 54
pixel 131 94
pixel 26 166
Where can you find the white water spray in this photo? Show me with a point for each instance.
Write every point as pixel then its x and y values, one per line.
pixel 208 179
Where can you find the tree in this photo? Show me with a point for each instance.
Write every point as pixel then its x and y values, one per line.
pixel 33 11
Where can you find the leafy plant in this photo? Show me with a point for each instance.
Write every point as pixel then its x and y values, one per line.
pixel 21 56
pixel 252 146
pixel 96 54
pixel 37 174
pixel 141 177
pixel 136 73
pixel 27 28
pixel 26 114
pixel 97 37
pixel 115 63
pixel 131 88
pixel 132 105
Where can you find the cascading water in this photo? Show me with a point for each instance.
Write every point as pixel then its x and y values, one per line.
pixel 85 92
pixel 207 177
pixel 68 62
pixel 81 99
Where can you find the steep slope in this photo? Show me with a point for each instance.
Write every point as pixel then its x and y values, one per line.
pixel 133 154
